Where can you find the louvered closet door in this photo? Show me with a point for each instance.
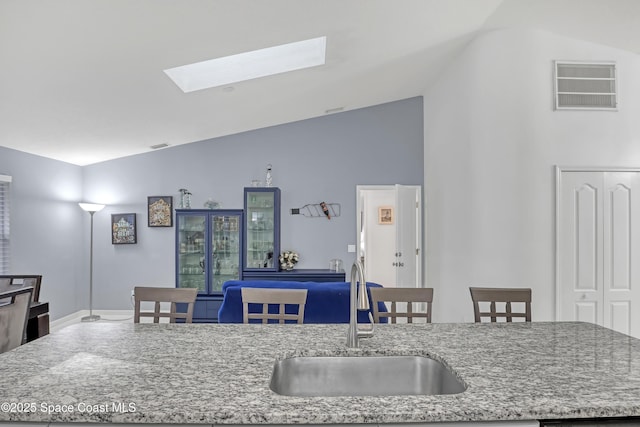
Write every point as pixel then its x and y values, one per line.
pixel 598 236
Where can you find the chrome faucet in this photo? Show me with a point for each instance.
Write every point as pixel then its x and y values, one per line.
pixel 358 301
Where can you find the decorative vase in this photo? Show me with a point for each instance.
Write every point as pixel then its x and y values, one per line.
pixel 269 178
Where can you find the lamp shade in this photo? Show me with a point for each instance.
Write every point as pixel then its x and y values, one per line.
pixel 91 207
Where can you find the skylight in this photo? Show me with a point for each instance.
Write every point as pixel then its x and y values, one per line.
pixel 249 65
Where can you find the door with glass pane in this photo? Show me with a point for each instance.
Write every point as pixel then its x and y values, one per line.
pixel 262 228
pixel 225 241
pixel 208 248
pixel 208 253
pixel 191 251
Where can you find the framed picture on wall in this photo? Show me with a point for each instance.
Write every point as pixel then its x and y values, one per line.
pixel 160 211
pixel 123 229
pixel 385 215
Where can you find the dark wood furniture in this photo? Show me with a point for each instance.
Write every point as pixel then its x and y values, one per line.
pixel 409 296
pixel 14 312
pixel 506 296
pixel 38 321
pixel 11 281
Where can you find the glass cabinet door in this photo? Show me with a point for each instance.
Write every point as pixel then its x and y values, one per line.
pixel 225 249
pixel 191 251
pixel 262 232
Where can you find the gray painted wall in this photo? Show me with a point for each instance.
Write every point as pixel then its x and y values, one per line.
pixel 48 229
pixel 321 159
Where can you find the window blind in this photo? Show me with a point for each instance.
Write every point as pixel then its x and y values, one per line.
pixel 5 182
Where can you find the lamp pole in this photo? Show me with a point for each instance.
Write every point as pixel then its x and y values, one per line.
pixel 92 209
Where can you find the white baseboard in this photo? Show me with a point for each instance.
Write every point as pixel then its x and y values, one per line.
pixel 105 316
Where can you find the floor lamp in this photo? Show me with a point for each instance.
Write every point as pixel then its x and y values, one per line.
pixel 91 208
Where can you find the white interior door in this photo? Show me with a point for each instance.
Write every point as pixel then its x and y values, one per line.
pixel 391 252
pixel 379 240
pixel 408 237
pixel 621 227
pixel 597 237
pixel 580 254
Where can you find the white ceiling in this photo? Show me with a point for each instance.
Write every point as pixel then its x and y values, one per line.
pixel 82 81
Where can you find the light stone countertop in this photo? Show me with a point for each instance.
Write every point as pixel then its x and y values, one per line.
pixel 219 374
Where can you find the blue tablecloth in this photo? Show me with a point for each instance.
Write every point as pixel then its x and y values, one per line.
pixel 327 302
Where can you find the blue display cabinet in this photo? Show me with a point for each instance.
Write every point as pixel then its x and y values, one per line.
pixel 261 229
pixel 209 250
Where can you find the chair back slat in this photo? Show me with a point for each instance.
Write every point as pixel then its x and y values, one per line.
pixel 279 297
pixel 33 280
pixel 506 296
pixel 14 314
pixel 164 295
pixel 409 296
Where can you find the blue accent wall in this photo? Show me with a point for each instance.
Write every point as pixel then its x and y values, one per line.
pixel 315 160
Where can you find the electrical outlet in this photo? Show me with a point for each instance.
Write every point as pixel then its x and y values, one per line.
pixel 351 248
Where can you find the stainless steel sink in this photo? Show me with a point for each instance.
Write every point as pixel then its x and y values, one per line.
pixel 363 376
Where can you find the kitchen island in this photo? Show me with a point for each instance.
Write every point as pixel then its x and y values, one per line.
pixel 219 374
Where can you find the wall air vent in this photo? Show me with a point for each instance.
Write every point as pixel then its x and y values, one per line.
pixel 585 86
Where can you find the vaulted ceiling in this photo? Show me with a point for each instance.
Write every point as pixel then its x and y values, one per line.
pixel 83 82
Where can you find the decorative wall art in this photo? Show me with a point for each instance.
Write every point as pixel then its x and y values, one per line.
pixel 123 229
pixel 318 210
pixel 385 215
pixel 160 211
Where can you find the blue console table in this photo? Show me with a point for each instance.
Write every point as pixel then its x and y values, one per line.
pixel 296 275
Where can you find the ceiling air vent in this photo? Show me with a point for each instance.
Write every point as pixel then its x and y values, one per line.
pixel 585 86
